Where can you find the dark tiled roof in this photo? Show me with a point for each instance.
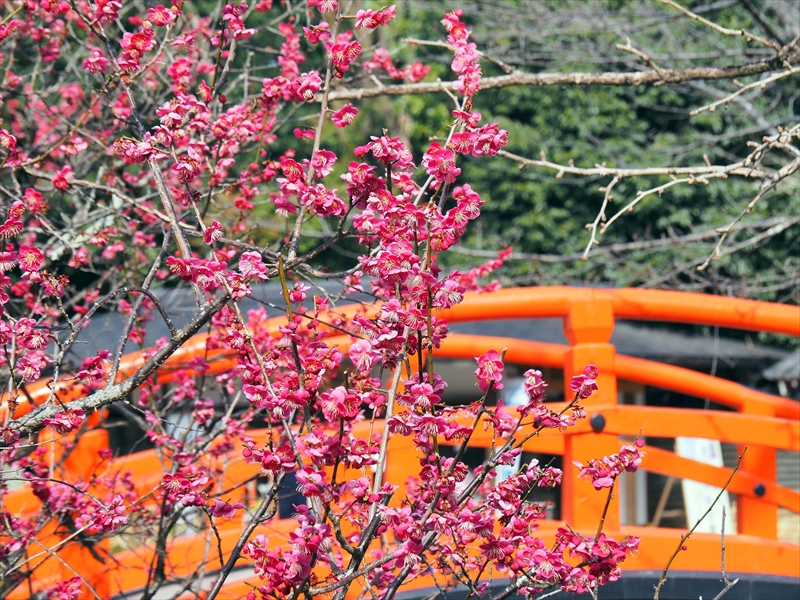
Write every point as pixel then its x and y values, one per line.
pixel 663 342
pixel 787 369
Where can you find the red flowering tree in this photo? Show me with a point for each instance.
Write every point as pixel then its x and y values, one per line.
pixel 138 148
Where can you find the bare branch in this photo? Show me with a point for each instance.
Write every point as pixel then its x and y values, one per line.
pixel 583 79
pixel 723 30
pixel 782 140
pixel 601 216
pixel 34 421
pixel 262 513
pixel 69 567
pixel 728 584
pixel 148 280
pixel 759 18
pixel 682 240
pixel 749 167
pixel 756 84
pixel 740 168
pixel 659 189
pixel 627 47
pixel 663 579
pixel 756 239
pixel 104 188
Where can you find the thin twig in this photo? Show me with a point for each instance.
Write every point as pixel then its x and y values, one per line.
pixel 663 579
pixel 601 216
pixel 258 517
pixel 670 242
pixel 605 509
pixel 659 189
pixel 756 239
pixel 766 186
pixel 723 30
pixel 756 84
pixel 66 564
pixel 627 47
pixel 216 534
pixel 728 584
pixel 137 304
pixel 739 168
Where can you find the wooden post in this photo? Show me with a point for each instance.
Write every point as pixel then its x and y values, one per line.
pixel 753 515
pixel 588 328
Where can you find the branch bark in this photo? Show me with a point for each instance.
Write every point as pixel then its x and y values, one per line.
pixel 681 545
pixel 548 79
pixel 683 240
pixel 34 421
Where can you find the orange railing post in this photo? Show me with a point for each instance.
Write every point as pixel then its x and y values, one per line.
pixel 755 516
pixel 588 327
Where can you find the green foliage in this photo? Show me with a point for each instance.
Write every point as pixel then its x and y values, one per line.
pixel 536 212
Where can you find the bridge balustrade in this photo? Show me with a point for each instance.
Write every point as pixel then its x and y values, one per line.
pixel 761 422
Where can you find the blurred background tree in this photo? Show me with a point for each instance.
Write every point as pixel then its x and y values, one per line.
pixel 542 215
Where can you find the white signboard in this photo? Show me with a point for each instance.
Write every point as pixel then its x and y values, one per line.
pixel 697 497
pixel 515 396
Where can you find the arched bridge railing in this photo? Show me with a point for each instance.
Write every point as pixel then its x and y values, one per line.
pixel 762 422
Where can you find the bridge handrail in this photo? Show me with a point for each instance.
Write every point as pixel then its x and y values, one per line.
pixel 460 345
pixel 619 420
pixel 632 303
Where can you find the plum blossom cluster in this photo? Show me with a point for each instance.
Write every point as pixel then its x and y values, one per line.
pixel 235 28
pixel 296 187
pixel 585 383
pixel 66 421
pixel 540 415
pixel 162 158
pixel 467 59
pixel 69 589
pixel 283 569
pixel 485 140
pixel 135 46
pixel 187 486
pixel 382 59
pixel 577 564
pixel 344 116
pixel 324 6
pixel 99 519
pixel 371 19
pixel 603 472
pixel 342 52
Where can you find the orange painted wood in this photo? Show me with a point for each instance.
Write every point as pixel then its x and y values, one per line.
pixel 754 515
pixel 683 307
pixel 628 368
pixel 700 385
pixel 752 430
pixel 588 327
pixel 665 462
pixel 632 303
